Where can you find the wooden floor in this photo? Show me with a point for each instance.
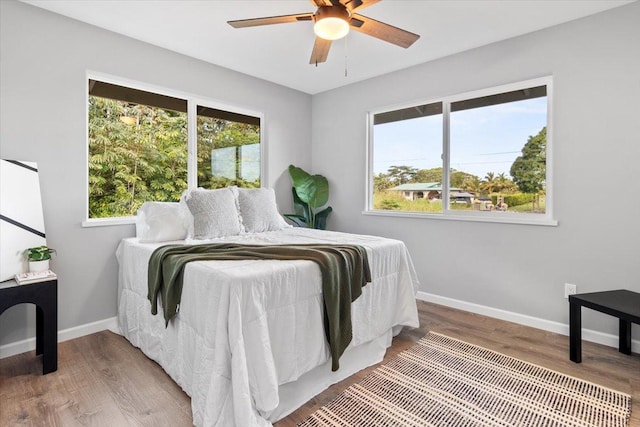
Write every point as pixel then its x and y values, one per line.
pixel 102 380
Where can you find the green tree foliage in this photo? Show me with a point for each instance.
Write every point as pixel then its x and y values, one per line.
pixel 130 163
pixel 397 175
pixel 529 169
pixel 382 182
pixel 457 178
pixel 401 174
pixel 489 183
pixel 139 153
pixel 428 175
pixel 472 184
pixel 505 185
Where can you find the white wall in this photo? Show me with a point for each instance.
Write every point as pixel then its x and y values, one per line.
pixel 595 63
pixel 43 61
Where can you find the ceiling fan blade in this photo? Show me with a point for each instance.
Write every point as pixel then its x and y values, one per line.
pixel 320 3
pixel 354 5
pixel 320 51
pixel 283 19
pixel 383 31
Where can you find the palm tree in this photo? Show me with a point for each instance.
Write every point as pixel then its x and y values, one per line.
pixel 489 183
pixel 472 184
pixel 504 184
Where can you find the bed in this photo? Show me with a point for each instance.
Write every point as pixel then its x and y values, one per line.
pixel 248 344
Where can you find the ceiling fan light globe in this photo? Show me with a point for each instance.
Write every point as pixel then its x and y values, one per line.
pixel 331 28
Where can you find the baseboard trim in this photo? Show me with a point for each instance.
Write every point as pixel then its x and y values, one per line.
pixel 29 344
pixel 111 324
pixel 522 319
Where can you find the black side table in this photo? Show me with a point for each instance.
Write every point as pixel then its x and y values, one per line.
pixel 45 296
pixel 623 304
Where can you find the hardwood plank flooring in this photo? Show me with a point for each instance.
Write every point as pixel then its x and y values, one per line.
pixel 102 380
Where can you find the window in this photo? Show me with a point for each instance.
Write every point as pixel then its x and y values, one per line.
pixel 480 156
pixel 407 147
pixel 228 149
pixel 139 148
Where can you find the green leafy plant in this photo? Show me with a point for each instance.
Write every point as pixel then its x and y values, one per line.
pixel 387 204
pixel 40 253
pixel 310 193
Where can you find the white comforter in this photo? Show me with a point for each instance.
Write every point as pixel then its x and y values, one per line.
pixel 246 327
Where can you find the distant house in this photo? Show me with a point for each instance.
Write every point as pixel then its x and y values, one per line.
pixel 421 190
pixel 461 196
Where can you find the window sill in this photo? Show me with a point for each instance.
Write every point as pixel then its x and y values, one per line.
pixel 108 222
pixel 520 219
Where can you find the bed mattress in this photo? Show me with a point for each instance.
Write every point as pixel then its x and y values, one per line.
pixel 247 332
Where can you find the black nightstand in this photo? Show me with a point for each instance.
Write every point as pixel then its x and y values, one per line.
pixel 623 304
pixel 45 297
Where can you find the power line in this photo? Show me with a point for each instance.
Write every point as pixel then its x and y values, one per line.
pixel 482 163
pixel 495 154
pixel 400 160
pixel 424 159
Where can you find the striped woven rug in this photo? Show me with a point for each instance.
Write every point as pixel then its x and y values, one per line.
pixel 442 381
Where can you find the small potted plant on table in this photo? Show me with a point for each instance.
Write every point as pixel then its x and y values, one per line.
pixel 39 258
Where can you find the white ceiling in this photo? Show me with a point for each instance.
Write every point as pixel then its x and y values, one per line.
pixel 280 53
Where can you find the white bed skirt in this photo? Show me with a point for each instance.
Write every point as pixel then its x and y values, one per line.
pixel 297 393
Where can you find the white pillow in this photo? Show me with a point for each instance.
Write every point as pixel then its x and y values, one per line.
pixel 214 213
pixel 259 211
pixel 161 222
pixel 185 207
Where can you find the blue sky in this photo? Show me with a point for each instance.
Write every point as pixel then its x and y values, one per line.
pixel 486 139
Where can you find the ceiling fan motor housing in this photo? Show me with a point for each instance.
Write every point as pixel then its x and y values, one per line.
pixel 335 11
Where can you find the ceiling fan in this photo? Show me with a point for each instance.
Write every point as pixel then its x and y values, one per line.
pixel 332 21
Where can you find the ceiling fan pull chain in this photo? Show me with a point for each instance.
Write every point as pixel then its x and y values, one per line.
pixel 345 56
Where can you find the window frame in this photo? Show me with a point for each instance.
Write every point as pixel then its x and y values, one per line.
pixel 193 101
pixel 547 218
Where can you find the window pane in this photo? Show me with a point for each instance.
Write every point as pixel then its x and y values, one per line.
pixel 137 149
pixel 407 159
pixel 498 153
pixel 228 149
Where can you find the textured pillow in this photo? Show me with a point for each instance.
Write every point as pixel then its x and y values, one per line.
pixel 161 222
pixel 214 213
pixel 259 211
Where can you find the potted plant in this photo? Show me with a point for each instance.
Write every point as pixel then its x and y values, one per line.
pixel 39 258
pixel 310 192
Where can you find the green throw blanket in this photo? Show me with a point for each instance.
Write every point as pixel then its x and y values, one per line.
pixel 344 268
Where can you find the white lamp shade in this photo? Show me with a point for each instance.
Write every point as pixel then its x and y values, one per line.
pixel 331 28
